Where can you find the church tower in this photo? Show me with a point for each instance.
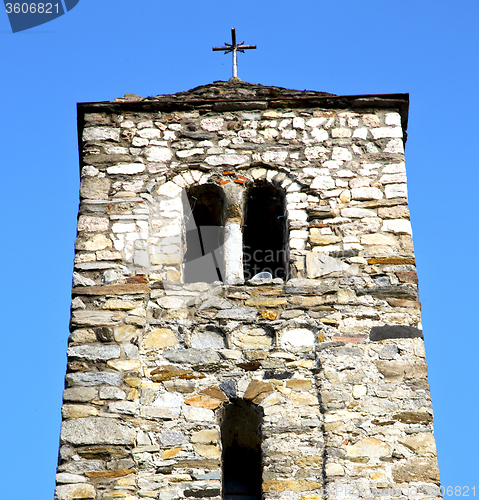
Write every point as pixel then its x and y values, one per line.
pixel 245 317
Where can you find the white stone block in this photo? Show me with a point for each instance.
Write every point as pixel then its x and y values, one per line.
pixel 386 132
pixel 298 122
pixel 227 159
pixel 315 152
pixel 127 169
pixel 395 146
pixel 315 122
pixel 341 154
pixel 297 339
pixel 120 227
pixel 169 189
pixel 360 133
pixel 396 191
pixel 395 168
pixel 366 193
pixel 101 134
pixel 319 134
pixel 401 226
pixel 190 152
pixel 157 153
pixel 357 213
pixel 212 124
pixel 393 179
pixel 393 119
pixel 149 133
pixel 323 182
pixel 340 133
pixel 274 156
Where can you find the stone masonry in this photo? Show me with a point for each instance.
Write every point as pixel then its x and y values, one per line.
pixel 332 357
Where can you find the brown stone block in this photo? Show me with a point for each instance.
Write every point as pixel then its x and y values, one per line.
pixel 411 417
pixel 172 452
pixel 272 315
pixel 309 461
pixel 397 371
pixel 417 470
pixel 167 372
pixel 127 289
pixel 404 303
pixel 291 485
pixel 213 391
pixel 299 384
pixel 407 276
pixel 111 473
pixel 256 387
pixel 266 301
pixel 203 402
pixel 392 260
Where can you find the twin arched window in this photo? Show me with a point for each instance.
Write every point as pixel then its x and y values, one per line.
pixel 262 236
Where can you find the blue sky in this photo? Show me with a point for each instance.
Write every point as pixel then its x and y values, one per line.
pixel 103 49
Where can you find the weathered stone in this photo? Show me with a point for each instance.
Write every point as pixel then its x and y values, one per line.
pixel 214 392
pixel 111 473
pixel 368 447
pixel 207 436
pixel 207 339
pixel 93 378
pixel 417 470
pixel 298 339
pixel 129 289
pixel 94 188
pixel 207 450
pixel 238 313
pixel 394 332
pixel 422 444
pixel 203 402
pixel 167 373
pixel 398 370
pixel 318 264
pixel 410 417
pixel 392 260
pixel 160 339
pixel 80 394
pixel 102 353
pixel 124 333
pixel 78 411
pixel 124 365
pixel 192 356
pixel 172 438
pixel 88 242
pixel 323 239
pixel 97 430
pixel 75 491
pixel 257 387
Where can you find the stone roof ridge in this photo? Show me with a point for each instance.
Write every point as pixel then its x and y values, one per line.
pixel 226 90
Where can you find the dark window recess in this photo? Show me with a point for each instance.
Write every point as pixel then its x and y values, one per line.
pixel 241 441
pixel 264 232
pixel 204 223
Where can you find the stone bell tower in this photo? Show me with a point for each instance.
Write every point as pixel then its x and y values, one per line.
pixel 245 317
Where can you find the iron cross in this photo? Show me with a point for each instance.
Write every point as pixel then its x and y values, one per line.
pixel 234 47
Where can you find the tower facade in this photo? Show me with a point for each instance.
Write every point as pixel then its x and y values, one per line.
pixel 245 317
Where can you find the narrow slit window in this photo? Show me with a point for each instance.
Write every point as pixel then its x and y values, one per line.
pixel 264 232
pixel 204 225
pixel 241 441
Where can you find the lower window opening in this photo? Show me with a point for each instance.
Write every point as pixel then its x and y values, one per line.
pixel 241 441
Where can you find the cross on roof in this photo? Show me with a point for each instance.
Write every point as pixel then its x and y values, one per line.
pixel 234 47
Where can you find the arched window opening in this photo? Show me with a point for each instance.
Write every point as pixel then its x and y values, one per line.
pixel 241 441
pixel 204 224
pixel 264 232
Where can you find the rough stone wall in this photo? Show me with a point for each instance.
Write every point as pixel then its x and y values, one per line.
pixel 334 356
